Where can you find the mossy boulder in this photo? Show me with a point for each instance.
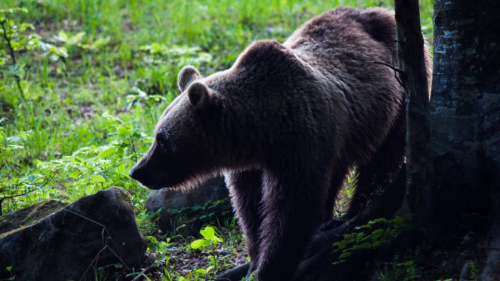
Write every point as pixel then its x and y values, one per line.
pixel 29 215
pixel 51 241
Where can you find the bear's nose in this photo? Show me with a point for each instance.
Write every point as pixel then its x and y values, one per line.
pixel 132 173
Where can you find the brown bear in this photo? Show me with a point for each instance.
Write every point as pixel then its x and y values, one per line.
pixel 285 124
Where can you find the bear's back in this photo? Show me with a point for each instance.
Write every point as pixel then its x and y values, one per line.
pixel 346 39
pixel 341 46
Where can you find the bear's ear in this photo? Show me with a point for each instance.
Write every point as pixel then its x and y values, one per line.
pixel 199 95
pixel 187 75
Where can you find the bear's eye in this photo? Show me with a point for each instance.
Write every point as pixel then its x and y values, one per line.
pixel 161 142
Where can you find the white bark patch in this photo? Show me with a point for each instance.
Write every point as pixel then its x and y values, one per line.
pixel 450 34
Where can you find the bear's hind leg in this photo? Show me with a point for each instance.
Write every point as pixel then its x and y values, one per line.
pixel 384 165
pixel 246 198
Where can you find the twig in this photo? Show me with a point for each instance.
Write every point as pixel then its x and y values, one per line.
pixel 389 66
pixel 50 179
pixel 26 192
pixel 396 71
pixel 133 148
pixel 143 273
pixel 105 246
pixel 104 228
pixel 97 256
pixel 14 196
pixel 10 197
pixel 11 49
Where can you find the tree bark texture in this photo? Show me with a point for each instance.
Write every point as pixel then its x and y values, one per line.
pixel 465 117
pixel 413 63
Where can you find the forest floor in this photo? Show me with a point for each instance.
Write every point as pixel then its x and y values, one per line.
pixel 90 78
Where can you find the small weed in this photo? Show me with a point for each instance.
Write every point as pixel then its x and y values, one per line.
pixel 473 271
pixel 12 276
pixel 210 240
pixel 379 232
pixel 400 270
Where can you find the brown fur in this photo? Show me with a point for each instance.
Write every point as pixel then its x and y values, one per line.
pixel 285 124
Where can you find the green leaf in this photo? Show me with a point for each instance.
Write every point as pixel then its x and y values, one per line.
pixel 98 178
pixel 363 226
pixel 137 134
pixel 107 152
pixel 78 160
pixel 121 170
pixel 200 243
pixel 345 255
pixel 75 174
pixel 100 43
pixel 378 220
pixel 77 38
pixel 123 130
pixel 377 233
pixel 13 10
pixel 25 26
pixel 208 233
pixel 408 263
pixel 155 48
pixel 397 220
pixel 201 271
pixel 365 245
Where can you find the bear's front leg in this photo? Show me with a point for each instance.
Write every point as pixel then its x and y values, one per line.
pixel 246 198
pixel 294 207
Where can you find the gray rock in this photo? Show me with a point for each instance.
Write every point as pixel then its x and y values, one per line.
pixel 168 199
pixel 73 242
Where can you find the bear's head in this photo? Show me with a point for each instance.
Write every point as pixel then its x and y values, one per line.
pixel 223 121
pixel 182 152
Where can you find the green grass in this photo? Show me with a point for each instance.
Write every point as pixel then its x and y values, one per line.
pixel 88 117
pixel 66 99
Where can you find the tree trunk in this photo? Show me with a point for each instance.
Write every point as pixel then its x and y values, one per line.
pixel 414 65
pixel 465 116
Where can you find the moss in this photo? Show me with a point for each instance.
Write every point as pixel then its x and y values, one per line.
pixel 13 231
pixel 124 196
pixel 43 210
pixel 20 219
